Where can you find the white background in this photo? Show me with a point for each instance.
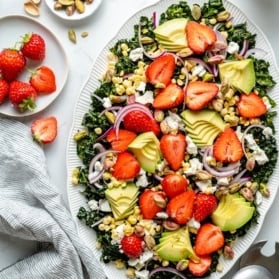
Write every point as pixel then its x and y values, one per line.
pixel 102 26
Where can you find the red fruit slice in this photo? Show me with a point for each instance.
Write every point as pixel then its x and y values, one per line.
pixel 43 80
pixel 150 203
pixel 251 105
pixel 126 166
pixel 161 70
pixel 169 97
pixel 173 148
pixel 199 37
pixel 174 184
pixel 209 239
pixel 120 142
pixel 180 208
pixel 204 205
pixel 199 94
pixel 44 130
pixel 139 122
pixel 227 147
pixel 200 268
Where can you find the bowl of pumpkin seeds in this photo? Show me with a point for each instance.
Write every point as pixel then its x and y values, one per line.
pixel 73 9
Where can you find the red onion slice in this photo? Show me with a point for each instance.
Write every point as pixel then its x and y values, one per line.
pixel 244 48
pixel 151 57
pixel 127 109
pixel 201 62
pixel 212 170
pixel 166 269
pixel 246 132
pixel 255 51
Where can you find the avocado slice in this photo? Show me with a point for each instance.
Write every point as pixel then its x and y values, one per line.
pixel 232 212
pixel 203 126
pixel 238 74
pixel 176 245
pixel 146 148
pixel 122 200
pixel 171 34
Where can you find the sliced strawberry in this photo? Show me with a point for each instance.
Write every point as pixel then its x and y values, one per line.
pixel 169 97
pixel 43 80
pixel 126 166
pixel 204 205
pixel 180 208
pixel 120 142
pixel 251 105
pixel 44 130
pixel 200 93
pixel 209 239
pixel 139 122
pixel 161 70
pixel 173 148
pixel 200 268
pixel 227 148
pixel 199 36
pixel 150 203
pixel 174 184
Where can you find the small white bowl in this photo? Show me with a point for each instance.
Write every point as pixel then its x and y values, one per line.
pixel 89 10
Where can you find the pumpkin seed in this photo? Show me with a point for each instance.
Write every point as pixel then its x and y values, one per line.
pixel 72 35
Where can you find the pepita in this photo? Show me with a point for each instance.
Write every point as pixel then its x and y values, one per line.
pixel 31 8
pixel 84 34
pixel 66 2
pixel 196 12
pixel 80 6
pixel 72 35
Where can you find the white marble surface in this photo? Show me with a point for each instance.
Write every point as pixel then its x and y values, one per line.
pixel 102 26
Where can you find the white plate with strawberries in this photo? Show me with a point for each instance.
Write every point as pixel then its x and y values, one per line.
pixel 31 78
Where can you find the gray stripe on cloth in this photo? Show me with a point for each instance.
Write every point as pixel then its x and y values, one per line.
pixel 32 209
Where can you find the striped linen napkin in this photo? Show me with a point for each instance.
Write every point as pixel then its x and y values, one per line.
pixel 31 209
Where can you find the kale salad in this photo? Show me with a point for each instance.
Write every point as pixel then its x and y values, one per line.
pixel 177 143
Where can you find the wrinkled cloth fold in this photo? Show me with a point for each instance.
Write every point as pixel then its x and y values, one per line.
pixel 32 209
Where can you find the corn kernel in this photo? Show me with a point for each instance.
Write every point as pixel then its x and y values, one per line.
pixel 130 91
pixel 165 263
pixel 130 273
pixel 132 219
pixel 124 46
pixel 119 264
pixel 213 21
pixel 98 245
pixel 128 229
pixel 101 227
pixel 125 53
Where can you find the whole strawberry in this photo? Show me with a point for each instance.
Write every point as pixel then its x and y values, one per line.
pixel 22 95
pixel 132 246
pixel 4 90
pixel 12 62
pixel 33 46
pixel 204 205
